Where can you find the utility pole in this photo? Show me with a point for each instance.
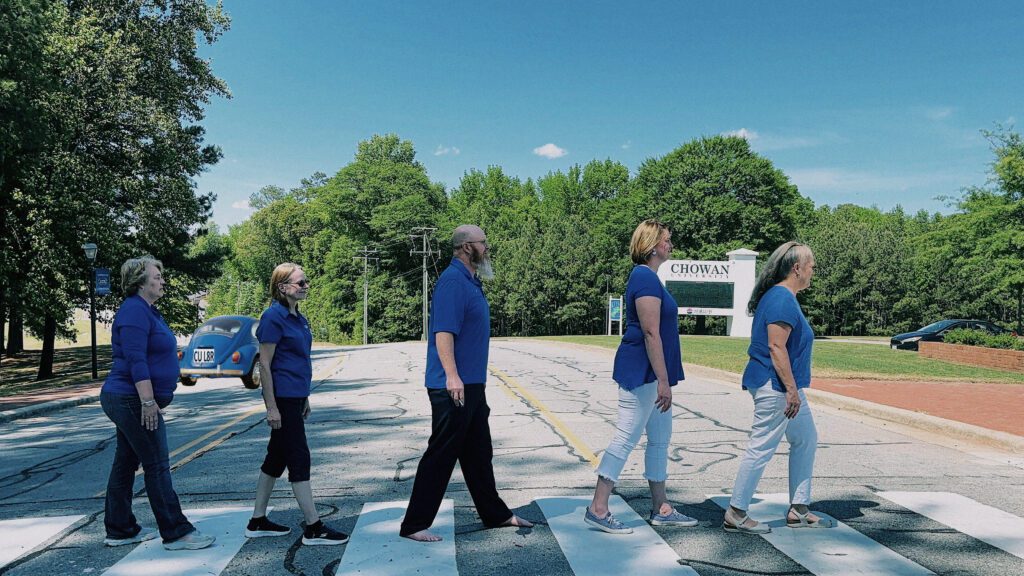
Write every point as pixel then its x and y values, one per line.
pixel 424 234
pixel 365 255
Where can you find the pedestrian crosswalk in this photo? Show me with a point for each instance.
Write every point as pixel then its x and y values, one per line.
pixel 20 536
pixel 227 524
pixel 991 525
pixel 824 552
pixel 590 551
pixel 376 548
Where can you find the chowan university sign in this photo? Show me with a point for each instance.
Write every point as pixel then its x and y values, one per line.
pixel 713 288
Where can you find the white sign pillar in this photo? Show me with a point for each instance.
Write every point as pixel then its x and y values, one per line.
pixel 744 265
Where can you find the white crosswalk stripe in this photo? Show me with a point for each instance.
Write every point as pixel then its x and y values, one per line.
pixel 22 535
pixel 825 552
pixel 227 524
pixel 991 525
pixel 590 551
pixel 377 549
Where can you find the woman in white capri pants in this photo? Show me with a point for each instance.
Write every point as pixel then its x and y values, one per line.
pixel 648 364
pixel 778 371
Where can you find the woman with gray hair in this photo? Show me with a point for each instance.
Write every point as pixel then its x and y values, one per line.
pixel 140 384
pixel 776 374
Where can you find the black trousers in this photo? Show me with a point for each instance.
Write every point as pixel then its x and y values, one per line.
pixel 288 447
pixel 458 434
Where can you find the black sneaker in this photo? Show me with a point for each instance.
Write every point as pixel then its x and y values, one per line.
pixel 262 526
pixel 320 534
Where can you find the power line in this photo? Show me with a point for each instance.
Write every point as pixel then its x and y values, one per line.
pixel 366 255
pixel 424 234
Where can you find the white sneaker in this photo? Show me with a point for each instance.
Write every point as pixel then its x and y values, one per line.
pixel 194 540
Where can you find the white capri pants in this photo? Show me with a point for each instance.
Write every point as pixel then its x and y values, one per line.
pixel 770 423
pixel 638 413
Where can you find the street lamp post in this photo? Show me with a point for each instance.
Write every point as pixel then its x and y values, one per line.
pixel 90 253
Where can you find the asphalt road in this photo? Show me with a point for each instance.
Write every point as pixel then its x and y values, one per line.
pixel 553 410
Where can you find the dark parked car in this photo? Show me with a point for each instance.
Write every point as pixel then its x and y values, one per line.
pixel 936 332
pixel 223 347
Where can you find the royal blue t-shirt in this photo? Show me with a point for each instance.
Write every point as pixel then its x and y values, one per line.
pixel 460 307
pixel 144 348
pixel 292 365
pixel 779 305
pixel 632 366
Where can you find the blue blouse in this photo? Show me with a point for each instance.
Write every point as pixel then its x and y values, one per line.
pixel 779 305
pixel 292 365
pixel 144 348
pixel 632 366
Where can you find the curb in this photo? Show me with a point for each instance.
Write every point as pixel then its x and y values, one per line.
pixel 949 429
pixel 46 407
pixel 943 431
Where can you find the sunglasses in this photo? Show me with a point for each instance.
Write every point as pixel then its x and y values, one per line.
pixel 301 283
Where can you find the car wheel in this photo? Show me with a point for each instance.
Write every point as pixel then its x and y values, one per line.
pixel 187 381
pixel 252 379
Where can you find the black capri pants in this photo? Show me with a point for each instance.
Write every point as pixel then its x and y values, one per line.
pixel 287 447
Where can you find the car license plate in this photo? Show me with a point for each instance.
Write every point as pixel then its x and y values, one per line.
pixel 894 346
pixel 202 356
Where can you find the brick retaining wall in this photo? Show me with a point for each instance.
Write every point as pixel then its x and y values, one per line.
pixel 974 355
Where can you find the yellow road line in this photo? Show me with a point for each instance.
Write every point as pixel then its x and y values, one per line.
pixel 322 374
pixel 559 426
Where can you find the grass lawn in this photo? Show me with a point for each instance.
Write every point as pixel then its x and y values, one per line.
pixel 84 335
pixel 831 360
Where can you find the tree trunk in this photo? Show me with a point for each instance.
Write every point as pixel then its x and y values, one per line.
pixel 1020 311
pixel 15 341
pixel 46 358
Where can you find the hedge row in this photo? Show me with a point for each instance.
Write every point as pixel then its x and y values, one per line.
pixel 981 338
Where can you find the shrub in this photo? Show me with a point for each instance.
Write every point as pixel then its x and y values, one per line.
pixel 981 338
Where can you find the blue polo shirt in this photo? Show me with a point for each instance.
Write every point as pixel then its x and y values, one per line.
pixel 460 307
pixel 292 365
pixel 144 348
pixel 632 366
pixel 779 305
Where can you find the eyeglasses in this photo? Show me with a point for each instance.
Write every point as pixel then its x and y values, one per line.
pixel 301 283
pixel 484 242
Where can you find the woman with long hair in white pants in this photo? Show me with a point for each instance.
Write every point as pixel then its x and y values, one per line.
pixel 776 374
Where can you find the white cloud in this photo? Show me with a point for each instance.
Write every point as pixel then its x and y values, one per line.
pixel 240 205
pixel 748 135
pixel 939 112
pixel 627 145
pixel 770 142
pixel 550 151
pixel 445 150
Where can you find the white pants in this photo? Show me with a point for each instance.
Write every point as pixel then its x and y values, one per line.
pixel 770 423
pixel 637 413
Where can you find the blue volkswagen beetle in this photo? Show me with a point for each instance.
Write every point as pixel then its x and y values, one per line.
pixel 223 347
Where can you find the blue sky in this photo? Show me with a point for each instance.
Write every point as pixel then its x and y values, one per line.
pixel 872 103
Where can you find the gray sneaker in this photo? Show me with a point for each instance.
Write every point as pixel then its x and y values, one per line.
pixel 673 518
pixel 142 536
pixel 194 540
pixel 607 524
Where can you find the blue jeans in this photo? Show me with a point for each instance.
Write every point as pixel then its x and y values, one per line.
pixel 136 445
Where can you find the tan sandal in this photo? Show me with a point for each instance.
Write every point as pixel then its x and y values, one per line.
pixel 759 528
pixel 803 522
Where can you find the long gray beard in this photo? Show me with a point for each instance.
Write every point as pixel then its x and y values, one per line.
pixel 484 269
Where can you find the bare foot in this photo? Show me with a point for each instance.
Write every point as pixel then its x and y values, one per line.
pixel 518 522
pixel 424 536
